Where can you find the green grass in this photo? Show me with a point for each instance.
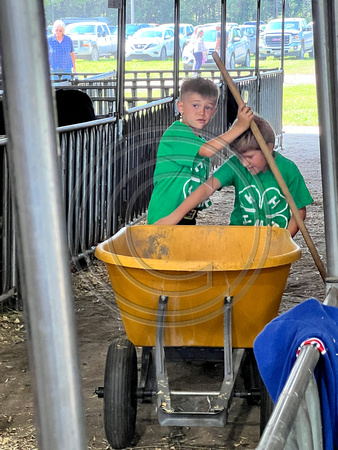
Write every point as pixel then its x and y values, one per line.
pixel 292 66
pixel 300 105
pixel 299 101
pixel 109 64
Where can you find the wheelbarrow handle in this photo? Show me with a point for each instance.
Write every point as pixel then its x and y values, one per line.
pixel 273 166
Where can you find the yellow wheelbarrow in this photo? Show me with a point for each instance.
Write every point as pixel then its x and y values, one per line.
pixel 187 292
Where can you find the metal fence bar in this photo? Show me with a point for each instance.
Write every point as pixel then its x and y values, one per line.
pixel 271 101
pixel 284 415
pixel 41 229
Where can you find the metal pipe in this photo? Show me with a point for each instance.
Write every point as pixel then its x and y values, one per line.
pixel 121 56
pixel 41 226
pixel 326 49
pixel 177 17
pixel 284 414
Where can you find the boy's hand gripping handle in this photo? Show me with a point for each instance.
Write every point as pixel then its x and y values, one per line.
pixel 274 168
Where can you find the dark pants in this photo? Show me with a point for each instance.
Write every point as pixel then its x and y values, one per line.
pixel 198 58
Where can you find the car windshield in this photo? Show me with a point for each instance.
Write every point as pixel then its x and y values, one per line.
pixel 148 34
pixel 210 35
pixel 80 29
pixel 131 29
pixel 272 26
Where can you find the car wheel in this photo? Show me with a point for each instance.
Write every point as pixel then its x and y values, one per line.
pixel 163 55
pixel 246 62
pixel 232 62
pixel 95 54
pixel 301 53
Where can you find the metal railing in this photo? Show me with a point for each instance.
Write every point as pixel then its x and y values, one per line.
pixel 107 168
pixel 145 87
pixel 296 419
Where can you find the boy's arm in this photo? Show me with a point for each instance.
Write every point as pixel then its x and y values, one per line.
pixel 215 145
pixel 293 226
pixel 195 198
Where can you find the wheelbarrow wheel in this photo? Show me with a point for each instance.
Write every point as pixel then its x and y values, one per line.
pixel 266 407
pixel 251 378
pixel 120 393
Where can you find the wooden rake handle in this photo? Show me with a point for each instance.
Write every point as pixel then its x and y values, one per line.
pixel 274 168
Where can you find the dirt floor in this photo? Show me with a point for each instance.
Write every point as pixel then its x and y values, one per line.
pixel 98 322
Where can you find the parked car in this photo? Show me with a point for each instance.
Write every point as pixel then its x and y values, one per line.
pixel 237 48
pixel 150 43
pixel 253 22
pixel 186 30
pixel 112 29
pixel 249 31
pixel 91 39
pixel 49 30
pixel 298 38
pixel 131 28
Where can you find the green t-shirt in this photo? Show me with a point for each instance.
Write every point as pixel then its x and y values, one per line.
pixel 258 198
pixel 179 170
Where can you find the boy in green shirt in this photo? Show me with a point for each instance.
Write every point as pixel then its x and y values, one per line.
pixel 258 197
pixel 183 155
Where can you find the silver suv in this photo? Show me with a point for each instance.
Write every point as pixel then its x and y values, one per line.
pixel 237 50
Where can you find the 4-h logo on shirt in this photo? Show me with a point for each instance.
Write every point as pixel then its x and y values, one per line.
pixel 267 208
pixel 198 176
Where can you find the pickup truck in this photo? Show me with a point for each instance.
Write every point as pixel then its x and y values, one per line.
pixel 91 39
pixel 298 38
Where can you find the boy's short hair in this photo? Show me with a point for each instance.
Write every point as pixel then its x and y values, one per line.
pixel 202 86
pixel 247 139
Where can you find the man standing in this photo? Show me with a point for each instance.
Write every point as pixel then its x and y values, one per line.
pixel 61 51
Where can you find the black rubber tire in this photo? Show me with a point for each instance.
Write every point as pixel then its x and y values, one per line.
pixel 120 393
pixel 251 376
pixel 95 54
pixel 246 62
pixel 253 382
pixel 163 55
pixel 232 63
pixel 266 407
pixel 301 53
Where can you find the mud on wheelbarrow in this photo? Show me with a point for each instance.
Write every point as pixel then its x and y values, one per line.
pixel 189 293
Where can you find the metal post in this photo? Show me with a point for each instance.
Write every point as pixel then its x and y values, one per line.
pixel 177 17
pixel 283 34
pixel 326 51
pixel 257 72
pixel 121 39
pixel 42 244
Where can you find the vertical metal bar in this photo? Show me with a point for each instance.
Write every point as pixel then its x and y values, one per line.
pixel 223 31
pixel 258 25
pixel 283 416
pixel 283 34
pixel 177 18
pixel 163 392
pixel 121 59
pixel 43 263
pixel 326 52
pixel 228 369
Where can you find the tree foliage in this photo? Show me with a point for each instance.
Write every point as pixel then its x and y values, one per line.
pixel 192 11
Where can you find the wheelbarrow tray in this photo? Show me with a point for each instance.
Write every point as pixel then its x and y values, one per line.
pixel 196 267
